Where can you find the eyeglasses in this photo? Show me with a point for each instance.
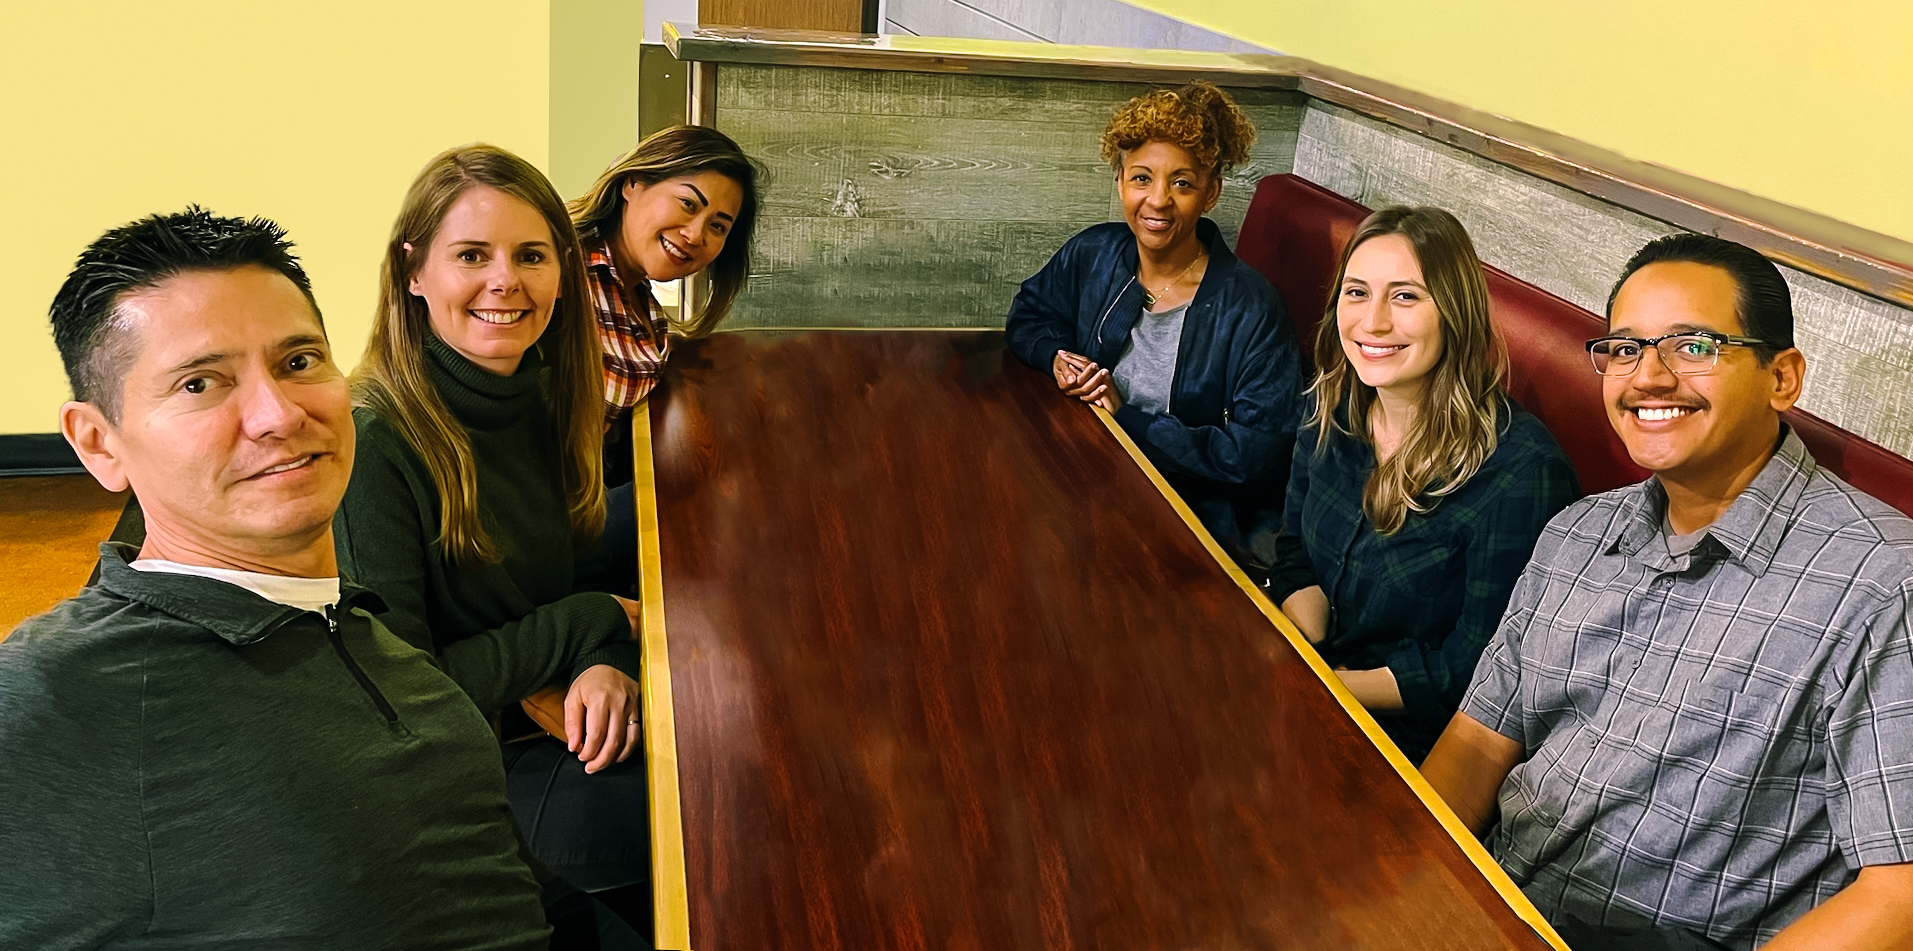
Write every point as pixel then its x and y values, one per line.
pixel 1695 351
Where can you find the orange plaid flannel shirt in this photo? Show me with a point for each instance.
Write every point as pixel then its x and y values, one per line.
pixel 634 336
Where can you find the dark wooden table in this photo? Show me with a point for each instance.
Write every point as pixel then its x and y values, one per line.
pixel 948 671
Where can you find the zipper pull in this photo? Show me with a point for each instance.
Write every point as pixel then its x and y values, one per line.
pixel 331 617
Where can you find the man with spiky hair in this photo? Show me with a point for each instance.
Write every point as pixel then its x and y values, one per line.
pixel 217 745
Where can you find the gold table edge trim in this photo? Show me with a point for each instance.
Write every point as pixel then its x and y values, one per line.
pixel 670 895
pixel 1485 863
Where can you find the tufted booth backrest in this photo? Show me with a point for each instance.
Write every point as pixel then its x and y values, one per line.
pixel 1294 234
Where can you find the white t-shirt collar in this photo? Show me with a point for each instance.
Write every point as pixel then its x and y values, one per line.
pixel 306 594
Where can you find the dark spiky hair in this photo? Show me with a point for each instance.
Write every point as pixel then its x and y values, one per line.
pixel 95 346
pixel 1763 304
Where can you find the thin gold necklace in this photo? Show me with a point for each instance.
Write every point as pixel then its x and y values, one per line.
pixel 1149 300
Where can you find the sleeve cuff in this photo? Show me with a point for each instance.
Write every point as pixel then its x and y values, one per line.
pixel 1285 580
pixel 625 656
pixel 1503 721
pixel 1419 697
pixel 1046 356
pixel 1135 422
pixel 599 619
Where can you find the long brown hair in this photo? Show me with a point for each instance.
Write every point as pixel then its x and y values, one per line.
pixel 392 380
pixel 671 153
pixel 1457 425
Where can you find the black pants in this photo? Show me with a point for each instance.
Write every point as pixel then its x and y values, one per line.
pixel 1582 936
pixel 580 922
pixel 593 830
pixel 621 538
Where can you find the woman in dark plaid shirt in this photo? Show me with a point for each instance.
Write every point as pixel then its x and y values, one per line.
pixel 1418 489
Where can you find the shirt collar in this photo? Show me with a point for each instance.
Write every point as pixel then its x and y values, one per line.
pixel 1751 529
pixel 602 269
pixel 235 614
pixel 478 397
pixel 598 255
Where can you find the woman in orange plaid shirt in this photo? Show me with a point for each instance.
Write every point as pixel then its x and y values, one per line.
pixel 684 200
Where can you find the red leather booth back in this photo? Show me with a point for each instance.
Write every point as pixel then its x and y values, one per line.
pixel 1294 234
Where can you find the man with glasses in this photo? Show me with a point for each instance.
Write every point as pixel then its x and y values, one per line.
pixel 1696 718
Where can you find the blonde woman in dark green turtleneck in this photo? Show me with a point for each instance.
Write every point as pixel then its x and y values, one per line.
pixel 476 507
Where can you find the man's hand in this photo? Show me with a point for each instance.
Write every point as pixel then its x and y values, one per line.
pixel 1467 767
pixel 601 717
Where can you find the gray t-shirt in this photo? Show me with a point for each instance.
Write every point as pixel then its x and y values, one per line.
pixel 1678 545
pixel 1148 365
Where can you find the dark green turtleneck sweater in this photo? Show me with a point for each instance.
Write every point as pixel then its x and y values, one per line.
pixel 504 630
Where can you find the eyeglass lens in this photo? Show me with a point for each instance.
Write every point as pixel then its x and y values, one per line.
pixel 1685 353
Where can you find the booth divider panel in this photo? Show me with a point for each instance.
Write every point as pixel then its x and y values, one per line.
pixel 921 160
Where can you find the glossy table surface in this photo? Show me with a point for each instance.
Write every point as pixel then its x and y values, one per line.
pixel 947 670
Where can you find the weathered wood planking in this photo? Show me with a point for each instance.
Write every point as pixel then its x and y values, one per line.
pixel 944 153
pixel 837 165
pixel 944 95
pixel 832 272
pixel 916 167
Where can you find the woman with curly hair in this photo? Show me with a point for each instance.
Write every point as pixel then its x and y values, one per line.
pixel 1418 488
pixel 1155 320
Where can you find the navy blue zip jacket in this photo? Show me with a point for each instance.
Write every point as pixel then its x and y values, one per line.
pixel 1235 402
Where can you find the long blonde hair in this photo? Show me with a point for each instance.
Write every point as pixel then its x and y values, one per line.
pixel 670 153
pixel 392 380
pixel 1457 426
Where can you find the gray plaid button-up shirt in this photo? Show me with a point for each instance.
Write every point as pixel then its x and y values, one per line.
pixel 1715 741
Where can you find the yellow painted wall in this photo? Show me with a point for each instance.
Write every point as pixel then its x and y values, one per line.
pixel 594 88
pixel 1807 103
pixel 316 115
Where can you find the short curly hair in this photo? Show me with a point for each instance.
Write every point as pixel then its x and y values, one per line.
pixel 1198 117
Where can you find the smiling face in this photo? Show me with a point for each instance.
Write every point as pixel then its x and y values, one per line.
pixel 489 278
pixel 1389 324
pixel 1164 194
pixel 676 227
pixel 1699 428
pixel 235 427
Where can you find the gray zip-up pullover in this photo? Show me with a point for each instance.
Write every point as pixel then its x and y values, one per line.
pixel 184 764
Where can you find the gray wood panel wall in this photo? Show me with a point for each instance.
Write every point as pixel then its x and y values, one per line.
pixel 1859 348
pixel 924 199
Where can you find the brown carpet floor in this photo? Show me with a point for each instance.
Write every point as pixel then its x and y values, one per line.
pixel 50 533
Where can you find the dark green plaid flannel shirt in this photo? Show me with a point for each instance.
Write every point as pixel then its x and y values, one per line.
pixel 1424 601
